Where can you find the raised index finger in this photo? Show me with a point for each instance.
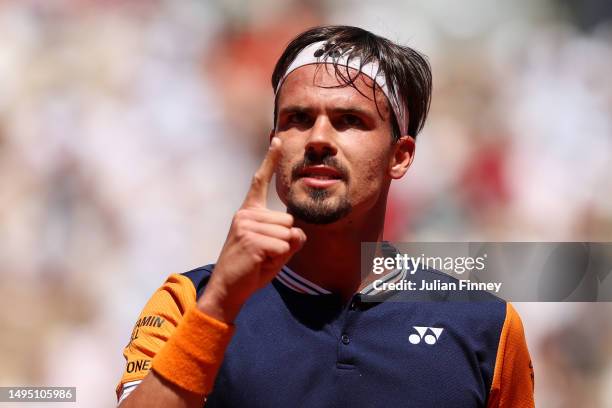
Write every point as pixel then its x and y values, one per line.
pixel 257 194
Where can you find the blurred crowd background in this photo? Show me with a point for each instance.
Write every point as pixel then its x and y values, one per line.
pixel 129 131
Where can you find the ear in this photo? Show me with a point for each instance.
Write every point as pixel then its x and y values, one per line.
pixel 272 133
pixel 403 154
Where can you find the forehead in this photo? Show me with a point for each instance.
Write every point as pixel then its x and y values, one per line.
pixel 319 83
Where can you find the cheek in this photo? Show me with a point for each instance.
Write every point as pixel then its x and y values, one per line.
pixel 369 170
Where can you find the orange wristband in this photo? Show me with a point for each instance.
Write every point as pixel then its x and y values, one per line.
pixel 193 354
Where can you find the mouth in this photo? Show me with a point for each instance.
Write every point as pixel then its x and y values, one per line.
pixel 319 176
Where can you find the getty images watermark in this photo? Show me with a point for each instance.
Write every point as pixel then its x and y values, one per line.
pixel 384 265
pixel 514 271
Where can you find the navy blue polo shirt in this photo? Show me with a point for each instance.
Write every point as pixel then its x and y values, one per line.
pixel 296 348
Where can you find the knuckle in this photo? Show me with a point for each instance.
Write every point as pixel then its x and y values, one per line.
pixel 285 247
pixel 257 180
pixel 242 229
pixel 252 244
pixel 286 234
pixel 257 258
pixel 241 234
pixel 241 215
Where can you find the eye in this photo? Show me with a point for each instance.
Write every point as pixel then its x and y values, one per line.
pixel 298 118
pixel 352 120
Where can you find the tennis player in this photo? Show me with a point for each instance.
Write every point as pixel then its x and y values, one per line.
pixel 283 318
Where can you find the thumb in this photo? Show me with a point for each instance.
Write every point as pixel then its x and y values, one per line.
pixel 297 240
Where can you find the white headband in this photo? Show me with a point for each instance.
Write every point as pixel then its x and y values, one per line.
pixel 312 53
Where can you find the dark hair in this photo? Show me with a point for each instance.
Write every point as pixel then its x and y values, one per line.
pixel 404 68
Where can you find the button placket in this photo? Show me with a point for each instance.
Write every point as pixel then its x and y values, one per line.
pixel 346 345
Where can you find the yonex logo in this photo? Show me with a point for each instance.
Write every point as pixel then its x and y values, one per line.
pixel 430 339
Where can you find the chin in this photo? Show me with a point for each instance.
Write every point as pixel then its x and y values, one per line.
pixel 318 207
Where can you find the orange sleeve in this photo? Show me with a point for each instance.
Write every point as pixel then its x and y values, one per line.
pixel 156 323
pixel 513 380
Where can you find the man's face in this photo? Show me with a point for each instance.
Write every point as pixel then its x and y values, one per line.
pixel 336 149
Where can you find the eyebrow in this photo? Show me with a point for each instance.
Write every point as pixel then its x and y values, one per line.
pixel 347 110
pixel 294 108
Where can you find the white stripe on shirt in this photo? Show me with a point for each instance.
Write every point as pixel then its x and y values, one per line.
pixel 127 388
pixel 300 284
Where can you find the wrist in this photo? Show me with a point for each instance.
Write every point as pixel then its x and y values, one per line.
pixel 192 356
pixel 219 304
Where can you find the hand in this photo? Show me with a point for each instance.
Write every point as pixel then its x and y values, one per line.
pixel 259 243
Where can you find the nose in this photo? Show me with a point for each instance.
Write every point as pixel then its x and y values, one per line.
pixel 321 140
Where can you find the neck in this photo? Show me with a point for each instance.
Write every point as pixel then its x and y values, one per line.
pixel 331 256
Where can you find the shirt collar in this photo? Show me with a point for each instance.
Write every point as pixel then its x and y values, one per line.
pixel 299 284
